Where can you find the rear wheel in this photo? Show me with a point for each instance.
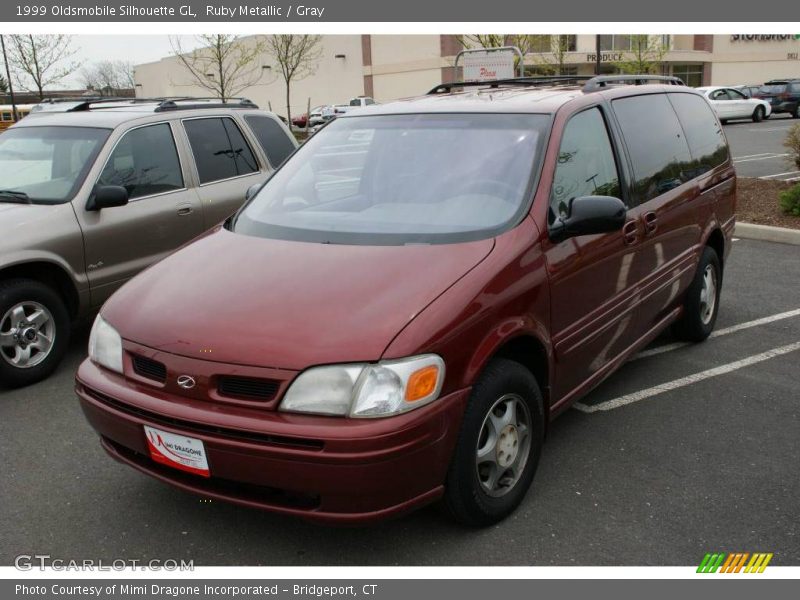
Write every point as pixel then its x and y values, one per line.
pixel 34 331
pixel 701 305
pixel 758 114
pixel 498 447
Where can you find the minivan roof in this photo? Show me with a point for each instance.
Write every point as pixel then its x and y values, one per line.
pixel 511 96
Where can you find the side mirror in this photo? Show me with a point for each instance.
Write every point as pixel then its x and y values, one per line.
pixel 107 196
pixel 589 215
pixel 252 191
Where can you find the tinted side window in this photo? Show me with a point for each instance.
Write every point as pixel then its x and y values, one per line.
pixel 272 138
pixel 795 87
pixel 144 162
pixel 219 149
pixel 656 144
pixel 703 133
pixel 586 165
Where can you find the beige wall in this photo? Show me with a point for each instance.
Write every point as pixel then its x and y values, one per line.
pixel 335 81
pixel 756 61
pixel 407 65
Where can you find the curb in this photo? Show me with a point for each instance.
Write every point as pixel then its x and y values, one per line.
pixel 765 233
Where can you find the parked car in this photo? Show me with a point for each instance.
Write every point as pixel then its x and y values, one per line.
pixel 748 90
pixel 90 197
pixel 302 120
pixel 399 313
pixel 730 104
pixel 361 101
pixel 321 115
pixel 783 95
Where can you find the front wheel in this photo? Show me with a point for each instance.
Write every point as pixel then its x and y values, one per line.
pixel 34 331
pixel 498 447
pixel 758 114
pixel 701 305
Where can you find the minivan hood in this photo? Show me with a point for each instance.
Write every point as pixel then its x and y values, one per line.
pixel 247 300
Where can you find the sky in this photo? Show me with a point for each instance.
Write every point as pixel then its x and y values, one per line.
pixel 135 48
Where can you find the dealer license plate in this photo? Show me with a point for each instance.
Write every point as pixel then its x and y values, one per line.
pixel 177 451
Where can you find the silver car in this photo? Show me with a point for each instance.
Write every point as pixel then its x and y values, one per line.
pixel 91 196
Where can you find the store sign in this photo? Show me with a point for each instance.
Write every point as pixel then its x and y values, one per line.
pixel 605 57
pixel 486 66
pixel 765 38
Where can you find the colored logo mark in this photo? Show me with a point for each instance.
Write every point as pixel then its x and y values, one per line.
pixel 735 562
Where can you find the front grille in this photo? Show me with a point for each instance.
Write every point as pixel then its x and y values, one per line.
pixel 149 368
pixel 201 428
pixel 248 388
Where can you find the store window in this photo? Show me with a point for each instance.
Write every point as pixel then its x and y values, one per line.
pixel 691 74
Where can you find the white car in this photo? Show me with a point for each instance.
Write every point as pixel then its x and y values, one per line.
pixel 730 103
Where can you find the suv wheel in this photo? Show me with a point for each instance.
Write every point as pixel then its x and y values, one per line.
pixel 34 331
pixel 498 447
pixel 758 114
pixel 701 304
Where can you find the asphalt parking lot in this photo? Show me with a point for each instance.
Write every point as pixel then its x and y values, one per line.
pixel 758 149
pixel 686 450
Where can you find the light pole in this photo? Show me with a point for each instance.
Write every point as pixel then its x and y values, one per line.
pixel 8 78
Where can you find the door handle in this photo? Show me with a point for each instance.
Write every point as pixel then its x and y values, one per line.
pixel 184 210
pixel 650 222
pixel 630 232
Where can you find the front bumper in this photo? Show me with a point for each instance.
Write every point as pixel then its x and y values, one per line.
pixel 326 469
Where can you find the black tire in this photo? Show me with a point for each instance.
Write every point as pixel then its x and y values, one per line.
pixel 14 292
pixel 758 114
pixel 796 112
pixel 465 498
pixel 697 321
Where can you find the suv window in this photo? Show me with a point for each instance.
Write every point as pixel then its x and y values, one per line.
pixel 586 164
pixel 145 162
pixel 656 143
pixel 703 133
pixel 219 148
pixel 271 137
pixel 795 87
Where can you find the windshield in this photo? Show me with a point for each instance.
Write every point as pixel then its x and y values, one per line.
pixel 396 179
pixel 48 164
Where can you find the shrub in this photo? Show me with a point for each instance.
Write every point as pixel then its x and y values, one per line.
pixel 792 142
pixel 790 200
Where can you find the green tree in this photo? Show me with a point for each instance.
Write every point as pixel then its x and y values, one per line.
pixel 3 85
pixel 646 55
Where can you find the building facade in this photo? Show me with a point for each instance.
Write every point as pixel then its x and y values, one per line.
pixel 388 67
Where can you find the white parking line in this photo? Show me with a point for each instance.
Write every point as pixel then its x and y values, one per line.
pixel 684 381
pixel 762 157
pixel 780 174
pixel 784 128
pixel 735 158
pixel 718 333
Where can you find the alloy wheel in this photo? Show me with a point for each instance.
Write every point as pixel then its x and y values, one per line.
pixel 503 445
pixel 27 334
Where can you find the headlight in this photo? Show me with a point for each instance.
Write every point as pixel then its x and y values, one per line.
pixel 105 345
pixel 388 388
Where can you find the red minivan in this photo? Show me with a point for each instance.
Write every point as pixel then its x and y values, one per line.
pixel 396 316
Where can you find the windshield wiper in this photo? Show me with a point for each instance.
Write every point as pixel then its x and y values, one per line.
pixel 14 196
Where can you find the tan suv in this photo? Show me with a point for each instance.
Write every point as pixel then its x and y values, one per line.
pixel 91 196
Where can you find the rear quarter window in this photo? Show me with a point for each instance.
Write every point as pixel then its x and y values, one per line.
pixel 656 143
pixel 219 149
pixel 272 138
pixel 703 133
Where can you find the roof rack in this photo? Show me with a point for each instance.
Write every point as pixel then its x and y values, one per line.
pixel 602 81
pixel 206 102
pixel 591 82
pixel 444 88
pixel 164 103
